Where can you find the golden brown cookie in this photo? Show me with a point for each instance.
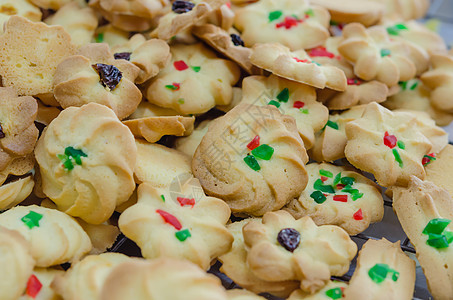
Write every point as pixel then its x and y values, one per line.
pixel 253 158
pixel 18 133
pixel 425 213
pixel 297 66
pixel 383 271
pixel 18 167
pixel 86 159
pixel 102 236
pixel 282 248
pixel 31 54
pixel 149 55
pixel 46 114
pixel 94 76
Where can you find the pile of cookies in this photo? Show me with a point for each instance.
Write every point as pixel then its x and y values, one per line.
pixel 258 134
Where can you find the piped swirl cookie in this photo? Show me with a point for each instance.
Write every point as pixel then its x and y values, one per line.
pixel 253 158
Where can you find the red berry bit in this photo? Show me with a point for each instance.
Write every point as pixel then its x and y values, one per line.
pixel 254 143
pixel 33 286
pixel 358 215
pixel 390 140
pixel 186 201
pixel 324 178
pixel 352 81
pixel 170 219
pixel 288 22
pixel 302 60
pixel 340 198
pixel 320 52
pixel 298 104
pixel 340 186
pixel 180 65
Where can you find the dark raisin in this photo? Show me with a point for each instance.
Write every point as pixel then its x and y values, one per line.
pixel 110 75
pixel 2 134
pixel 236 39
pixel 289 238
pixel 122 55
pixel 181 7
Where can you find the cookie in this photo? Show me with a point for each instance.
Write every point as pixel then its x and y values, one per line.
pixel 415 96
pixel 86 159
pixel 79 21
pixel 38 284
pixel 291 98
pixel 141 280
pixel 84 280
pixel 297 66
pixel 146 109
pixel 331 140
pixel 16 263
pixel 333 290
pixel 338 196
pixel 149 55
pixel 102 236
pixel 26 64
pixel 159 165
pixel 387 144
pixel 183 15
pixel 178 222
pixel 139 8
pixel 13 193
pixel 438 168
pixel 403 9
pixel 51 4
pixel 234 265
pixel 222 17
pixel 95 76
pixel 194 82
pixel 240 294
pixel 351 11
pixel 440 79
pixel 425 212
pixel 18 167
pixel 253 158
pixel 189 144
pixel 55 237
pixel 376 56
pixel 383 270
pixel 46 114
pixel 237 97
pixel 18 133
pixel 229 45
pixel 282 248
pixel 294 24
pixel 21 8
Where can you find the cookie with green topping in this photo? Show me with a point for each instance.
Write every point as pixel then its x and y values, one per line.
pixel 292 99
pixel 195 81
pixel 282 248
pixel 383 270
pixel 332 291
pixel 86 158
pixel 179 222
pixel 294 23
pixel 338 196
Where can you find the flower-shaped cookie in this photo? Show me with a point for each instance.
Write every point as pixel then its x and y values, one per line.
pixel 183 15
pixel 253 158
pixel 291 98
pixel 282 248
pixel 18 133
pixel 149 55
pixel 16 263
pixel 376 56
pixel 331 140
pixel 158 165
pixel 18 7
pixel 162 278
pixel 14 192
pixel 31 53
pixel 332 291
pixel 387 144
pixel 297 66
pixel 338 196
pixel 95 76
pixel 55 237
pixel 194 82
pixel 294 23
pixel 79 21
pixel 85 278
pixel 440 80
pixel 425 212
pixel 230 45
pixel 383 272
pixel 86 158
pixel 178 222
pixel 234 265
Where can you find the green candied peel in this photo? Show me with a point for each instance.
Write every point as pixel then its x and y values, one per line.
pixel 274 103
pixel 319 186
pixel 385 52
pixel 379 272
pixel 283 96
pixel 196 68
pixel 183 235
pixel 263 152
pixel 318 197
pixel 335 293
pixel 275 15
pixel 398 158
pixel 31 219
pixel 438 236
pixel 71 155
pixel 251 161
pixel 395 29
pixel 325 173
pixel 332 124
